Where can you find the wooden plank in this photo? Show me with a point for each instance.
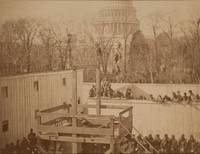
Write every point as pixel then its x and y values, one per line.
pixel 126 110
pixel 54 114
pixel 98 87
pixel 77 130
pixel 86 116
pixel 104 106
pixel 99 121
pixel 56 108
pixel 95 116
pixel 55 121
pixel 104 140
pixel 74 110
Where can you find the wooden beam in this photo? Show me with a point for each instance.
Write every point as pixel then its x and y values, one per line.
pixel 103 140
pixel 98 88
pixel 74 110
pixel 104 106
pixel 56 108
pixel 77 130
pixel 103 118
pixel 95 116
pixel 56 120
pixel 126 110
pixel 77 116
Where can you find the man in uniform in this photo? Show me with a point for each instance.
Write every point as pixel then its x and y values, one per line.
pixel 165 144
pixel 182 144
pixel 173 145
pixel 92 92
pixel 191 145
pixel 157 142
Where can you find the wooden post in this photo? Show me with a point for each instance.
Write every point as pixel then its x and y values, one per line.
pixel 74 109
pixel 98 82
pixel 131 116
pixel 98 88
pixel 112 142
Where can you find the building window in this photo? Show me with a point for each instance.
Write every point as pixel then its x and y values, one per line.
pixel 4 92
pixel 5 126
pixel 36 85
pixel 64 81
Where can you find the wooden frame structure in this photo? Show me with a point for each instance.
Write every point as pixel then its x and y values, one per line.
pixel 98 129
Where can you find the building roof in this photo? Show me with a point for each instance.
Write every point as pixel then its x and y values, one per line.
pixel 29 75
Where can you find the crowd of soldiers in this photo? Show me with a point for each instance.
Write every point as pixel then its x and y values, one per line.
pixel 25 146
pixel 166 144
pixel 153 144
pixel 178 98
pixel 107 91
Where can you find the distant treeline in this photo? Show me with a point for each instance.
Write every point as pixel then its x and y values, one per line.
pixel 172 55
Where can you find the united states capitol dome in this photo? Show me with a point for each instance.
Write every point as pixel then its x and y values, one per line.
pixel 117 15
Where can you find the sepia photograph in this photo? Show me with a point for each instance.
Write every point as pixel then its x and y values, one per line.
pixel 99 76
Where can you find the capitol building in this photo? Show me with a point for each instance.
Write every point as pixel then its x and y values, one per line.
pixel 118 21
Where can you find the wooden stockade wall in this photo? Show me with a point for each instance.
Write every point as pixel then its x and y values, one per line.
pixel 28 93
pixel 151 117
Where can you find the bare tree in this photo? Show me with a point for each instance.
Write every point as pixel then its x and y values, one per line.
pixel 9 46
pixel 154 53
pixel 26 31
pixel 127 31
pixel 47 38
pixel 191 37
pixel 170 29
pixel 63 42
pixel 95 35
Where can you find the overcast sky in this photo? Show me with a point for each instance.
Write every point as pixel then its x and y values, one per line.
pixel 85 9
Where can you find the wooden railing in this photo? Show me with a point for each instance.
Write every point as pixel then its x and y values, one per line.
pixel 59 126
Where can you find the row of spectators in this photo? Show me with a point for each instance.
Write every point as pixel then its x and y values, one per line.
pixel 166 144
pixel 162 145
pixel 107 91
pixel 177 97
pixel 24 146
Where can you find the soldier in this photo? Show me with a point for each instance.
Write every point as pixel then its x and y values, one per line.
pixel 17 146
pixel 179 97
pixel 128 93
pixel 174 97
pixel 197 98
pixel 12 148
pixel 173 145
pixel 165 144
pixel 151 98
pixel 157 142
pixel 24 146
pixel 182 144
pixel 110 91
pixel 7 149
pixel 92 92
pixel 32 138
pixel 185 97
pixel 191 145
pixel 150 139
pixel 191 96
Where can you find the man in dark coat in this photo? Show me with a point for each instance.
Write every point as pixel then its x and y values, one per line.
pixel 173 145
pixel 165 144
pixel 182 144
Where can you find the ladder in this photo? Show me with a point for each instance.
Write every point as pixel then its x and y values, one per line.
pixel 137 141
